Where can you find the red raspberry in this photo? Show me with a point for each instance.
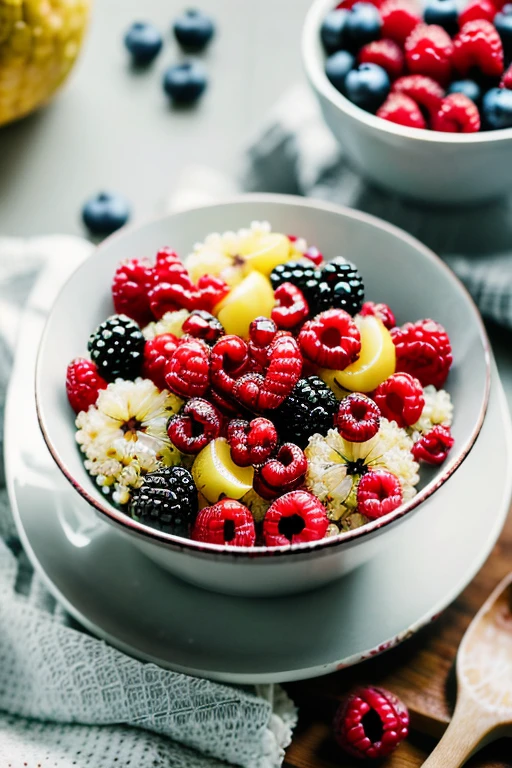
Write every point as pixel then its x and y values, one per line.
pixel 157 353
pixel 399 18
pixel 211 291
pixel 478 44
pixel 83 384
pixel 251 442
pixel 457 114
pixel 195 426
pixel 229 359
pixel 183 294
pixel 226 522
pixel 423 349
pixel 262 332
pixel 422 89
pixel 331 339
pixel 261 393
pixel 348 4
pixel 370 723
pixel 291 307
pixel 434 447
pixel 202 325
pixel 378 493
pixel 429 51
pixel 506 80
pixel 283 473
pixel 477 9
pixel 314 255
pixel 167 263
pixel 358 418
pixel 225 405
pixel 130 287
pixel 382 311
pixel 400 398
pixel 295 518
pixel 386 53
pixel 402 110
pixel 187 373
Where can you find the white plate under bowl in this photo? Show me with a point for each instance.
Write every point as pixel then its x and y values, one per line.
pixel 123 597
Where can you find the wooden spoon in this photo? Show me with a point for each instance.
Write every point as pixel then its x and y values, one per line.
pixel 484 675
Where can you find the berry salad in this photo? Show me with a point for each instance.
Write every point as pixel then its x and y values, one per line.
pixel 438 68
pixel 251 395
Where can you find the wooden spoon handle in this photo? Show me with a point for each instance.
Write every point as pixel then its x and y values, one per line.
pixel 468 730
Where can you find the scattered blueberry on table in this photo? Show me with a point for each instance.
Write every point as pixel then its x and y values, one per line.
pixel 143 42
pixel 105 212
pixel 193 30
pixel 185 83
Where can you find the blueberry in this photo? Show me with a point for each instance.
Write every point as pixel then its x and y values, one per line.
pixel 337 67
pixel 332 30
pixel 105 212
pixel 497 109
pixel 503 24
pixel 468 87
pixel 143 41
pixel 185 83
pixel 193 30
pixel 367 86
pixel 363 25
pixel 444 13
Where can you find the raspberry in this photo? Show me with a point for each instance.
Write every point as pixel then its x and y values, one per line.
pixel 167 500
pixel 358 418
pixel 370 723
pixel 157 353
pixel 183 294
pixel 83 384
pixel 187 373
pixel 195 426
pixel 314 255
pixel 309 408
pixel 506 80
pixel 402 110
pixel 295 518
pixel 331 339
pixel 262 332
pixel 457 114
pixel 423 349
pixel 400 398
pixel 202 325
pixel 211 291
pixel 283 473
pixel 423 90
pixel 378 493
pixel 228 361
pixel 260 393
pixel 130 287
pixel 227 407
pixel 167 263
pixel 399 18
pixel 226 522
pixel 291 307
pixel 477 9
pixel 478 44
pixel 434 446
pixel 386 53
pixel 251 442
pixel 382 311
pixel 429 51
pixel 117 348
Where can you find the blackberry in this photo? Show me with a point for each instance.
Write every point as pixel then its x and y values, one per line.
pixel 167 500
pixel 300 273
pixel 346 285
pixel 117 348
pixel 309 408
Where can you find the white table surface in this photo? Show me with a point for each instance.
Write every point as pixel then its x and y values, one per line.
pixel 112 128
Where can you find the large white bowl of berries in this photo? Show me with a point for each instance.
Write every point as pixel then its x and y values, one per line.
pixel 260 392
pixel 419 93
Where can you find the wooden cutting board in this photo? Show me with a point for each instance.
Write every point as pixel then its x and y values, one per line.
pixel 420 671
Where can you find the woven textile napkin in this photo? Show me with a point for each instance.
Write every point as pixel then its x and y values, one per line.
pixel 68 699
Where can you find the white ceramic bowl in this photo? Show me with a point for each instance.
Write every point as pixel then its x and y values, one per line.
pixel 426 165
pixel 396 268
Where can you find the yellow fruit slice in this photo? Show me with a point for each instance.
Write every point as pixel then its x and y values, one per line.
pixel 268 251
pixel 376 362
pixel 216 475
pixel 207 261
pixel 252 298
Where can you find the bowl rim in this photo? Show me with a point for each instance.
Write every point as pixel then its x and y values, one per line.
pixel 117 517
pixel 313 64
